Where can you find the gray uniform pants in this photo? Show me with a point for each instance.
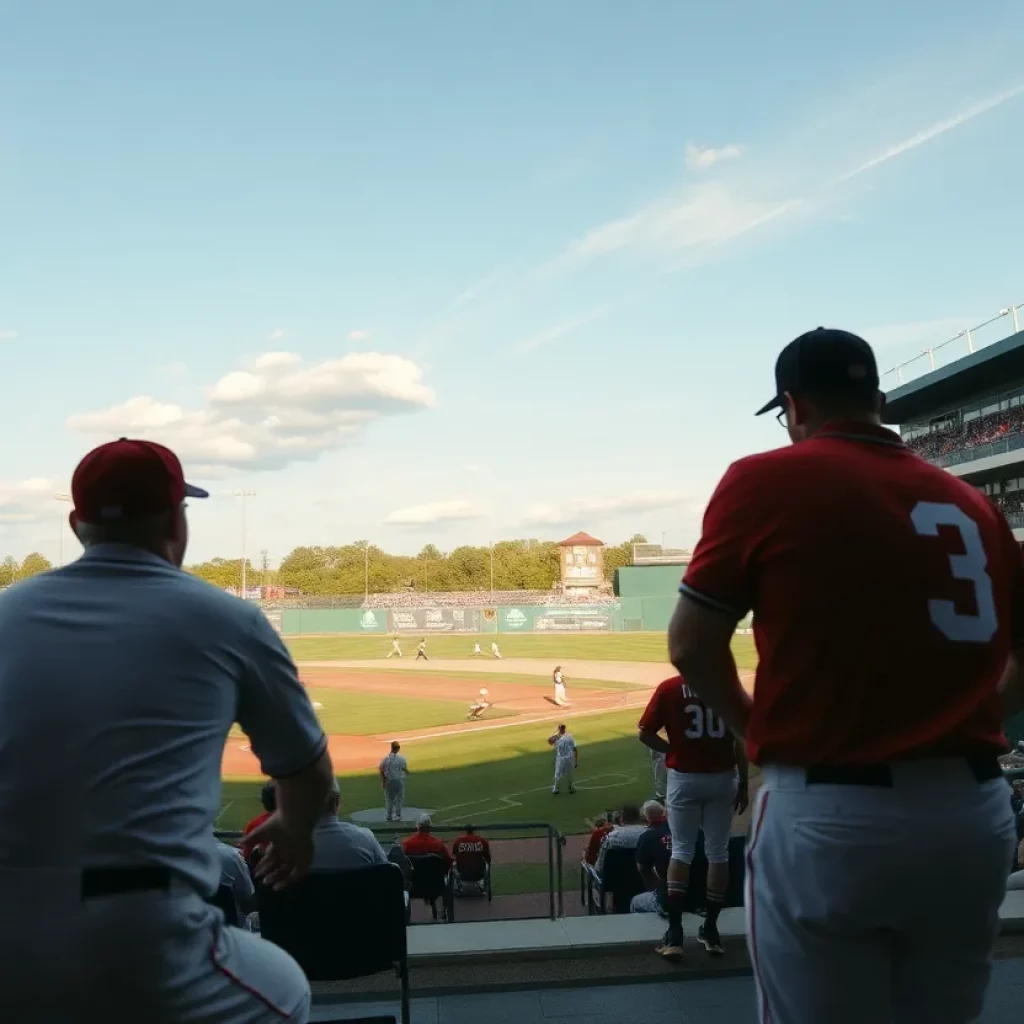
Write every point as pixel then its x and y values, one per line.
pixel 394 797
pixel 145 956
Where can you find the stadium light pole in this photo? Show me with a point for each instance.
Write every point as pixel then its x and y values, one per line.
pixel 60 525
pixel 366 570
pixel 492 572
pixel 243 495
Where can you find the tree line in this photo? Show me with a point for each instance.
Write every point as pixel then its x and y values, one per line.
pixel 525 564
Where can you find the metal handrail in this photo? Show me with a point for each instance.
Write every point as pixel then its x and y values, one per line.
pixel 967 334
pixel 556 843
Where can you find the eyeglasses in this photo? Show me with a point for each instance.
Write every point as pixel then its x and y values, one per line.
pixel 781 418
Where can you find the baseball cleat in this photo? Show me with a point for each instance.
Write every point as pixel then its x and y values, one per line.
pixel 711 940
pixel 671 947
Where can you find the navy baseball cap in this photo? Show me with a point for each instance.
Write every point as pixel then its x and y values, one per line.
pixel 824 361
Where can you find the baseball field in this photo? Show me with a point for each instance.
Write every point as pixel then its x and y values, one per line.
pixel 495 769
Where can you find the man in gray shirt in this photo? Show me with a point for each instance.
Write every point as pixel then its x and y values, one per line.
pixel 120 676
pixel 339 845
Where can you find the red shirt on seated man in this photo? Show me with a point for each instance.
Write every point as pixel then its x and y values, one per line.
pixel 602 826
pixel 472 854
pixel 421 842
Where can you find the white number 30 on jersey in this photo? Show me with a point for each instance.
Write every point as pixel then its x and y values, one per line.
pixel 703 722
pixel 972 565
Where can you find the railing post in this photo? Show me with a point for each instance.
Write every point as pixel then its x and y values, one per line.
pixel 551 871
pixel 560 841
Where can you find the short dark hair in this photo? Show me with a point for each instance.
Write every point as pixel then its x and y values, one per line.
pixel 849 400
pixel 469 830
pixel 561 727
pixel 268 797
pixel 630 812
pixel 134 532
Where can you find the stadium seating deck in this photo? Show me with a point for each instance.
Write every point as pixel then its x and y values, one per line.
pixel 700 1001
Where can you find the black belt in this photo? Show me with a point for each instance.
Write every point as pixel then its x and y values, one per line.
pixel 984 767
pixel 99 882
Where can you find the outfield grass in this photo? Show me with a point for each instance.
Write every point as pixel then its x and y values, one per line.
pixel 490 678
pixel 499 775
pixel 357 713
pixel 585 646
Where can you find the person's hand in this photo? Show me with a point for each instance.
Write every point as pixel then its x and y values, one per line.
pixel 742 800
pixel 286 851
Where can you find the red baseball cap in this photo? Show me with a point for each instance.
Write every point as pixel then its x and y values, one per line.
pixel 126 480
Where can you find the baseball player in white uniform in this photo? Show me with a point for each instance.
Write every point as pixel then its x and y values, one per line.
pixel 495 653
pixel 559 681
pixel 129 673
pixel 480 705
pixel 396 649
pixel 477 653
pixel 567 759
pixel 660 772
pixel 393 770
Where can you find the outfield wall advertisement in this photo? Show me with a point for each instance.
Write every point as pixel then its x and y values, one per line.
pixel 434 620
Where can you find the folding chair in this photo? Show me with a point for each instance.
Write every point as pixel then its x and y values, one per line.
pixel 466 883
pixel 432 881
pixel 620 880
pixel 341 924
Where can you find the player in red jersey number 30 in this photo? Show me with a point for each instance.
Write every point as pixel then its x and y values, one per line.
pixel 887 598
pixel 707 781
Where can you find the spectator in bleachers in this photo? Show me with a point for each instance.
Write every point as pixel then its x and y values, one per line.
pixel 973 434
pixel 624 836
pixel 653 853
pixel 472 855
pixel 339 845
pixel 602 826
pixel 234 873
pixel 422 842
pixel 268 798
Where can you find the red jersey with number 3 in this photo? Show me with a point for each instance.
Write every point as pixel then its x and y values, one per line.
pixel 698 738
pixel 886 594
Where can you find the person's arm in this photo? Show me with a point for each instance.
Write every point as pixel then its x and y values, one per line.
pixel 716 593
pixel 276 714
pixel 645 865
pixel 743 777
pixel 652 721
pixel 552 740
pixel 601 854
pixel 1011 686
pixel 487 850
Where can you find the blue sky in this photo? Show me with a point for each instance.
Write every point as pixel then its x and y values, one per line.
pixel 458 271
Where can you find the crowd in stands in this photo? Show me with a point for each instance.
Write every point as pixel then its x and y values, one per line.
pixel 1012 504
pixel 973 434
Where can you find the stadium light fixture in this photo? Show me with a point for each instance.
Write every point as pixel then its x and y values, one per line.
pixel 243 495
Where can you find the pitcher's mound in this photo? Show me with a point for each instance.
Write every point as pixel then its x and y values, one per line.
pixel 377 816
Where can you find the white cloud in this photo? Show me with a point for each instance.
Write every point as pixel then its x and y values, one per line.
pixel 561 329
pixel 582 510
pixel 27 501
pixel 277 334
pixel 7 335
pixel 358 335
pixel 276 412
pixel 934 131
pixel 699 158
pixel 435 512
pixel 698 217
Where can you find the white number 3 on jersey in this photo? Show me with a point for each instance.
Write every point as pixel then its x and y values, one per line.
pixel 927 517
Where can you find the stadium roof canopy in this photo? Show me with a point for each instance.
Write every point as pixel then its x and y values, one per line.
pixel 980 372
pixel 580 539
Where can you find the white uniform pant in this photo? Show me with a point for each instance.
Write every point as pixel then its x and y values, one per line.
pixel 700 802
pixel 394 797
pixel 560 694
pixel 145 956
pixel 564 769
pixel 876 905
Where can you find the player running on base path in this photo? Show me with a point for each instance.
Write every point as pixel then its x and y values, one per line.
pixel 707 781
pixel 567 759
pixel 393 770
pixel 495 653
pixel 480 705
pixel 887 599
pixel 559 680
pixel 396 650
